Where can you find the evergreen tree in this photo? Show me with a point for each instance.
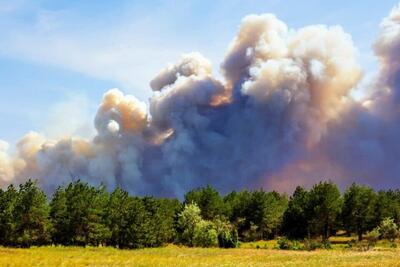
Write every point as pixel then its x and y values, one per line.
pixel 209 201
pixel 257 214
pixel 358 209
pixel 140 225
pixel 8 200
pixel 61 232
pixel 295 218
pixel 266 211
pixel 97 231
pixel 165 220
pixel 387 206
pixel 118 218
pixel 85 214
pixel 31 215
pixel 324 206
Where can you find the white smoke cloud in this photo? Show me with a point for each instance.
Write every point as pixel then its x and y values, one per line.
pixel 281 114
pixel 190 64
pixel 6 168
pixel 361 145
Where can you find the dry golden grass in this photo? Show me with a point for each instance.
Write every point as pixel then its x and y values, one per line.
pixel 180 256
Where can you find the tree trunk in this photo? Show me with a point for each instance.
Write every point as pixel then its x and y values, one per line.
pixel 326 229
pixel 359 233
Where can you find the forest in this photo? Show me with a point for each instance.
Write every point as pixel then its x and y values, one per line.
pixel 79 214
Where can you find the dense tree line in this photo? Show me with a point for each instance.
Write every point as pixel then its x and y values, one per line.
pixel 79 214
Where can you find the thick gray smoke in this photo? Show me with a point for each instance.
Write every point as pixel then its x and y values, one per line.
pixel 281 115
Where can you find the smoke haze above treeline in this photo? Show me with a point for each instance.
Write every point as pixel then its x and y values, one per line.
pixel 281 114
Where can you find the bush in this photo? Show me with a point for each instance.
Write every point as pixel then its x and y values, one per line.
pixel 205 235
pixel 296 245
pixel 311 244
pixel 187 222
pixel 284 243
pixel 326 244
pixel 227 234
pixel 228 239
pixel 372 238
pixel 388 229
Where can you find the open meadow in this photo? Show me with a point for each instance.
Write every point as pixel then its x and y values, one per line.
pixel 182 256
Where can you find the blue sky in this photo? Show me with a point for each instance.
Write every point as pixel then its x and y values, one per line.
pixel 57 58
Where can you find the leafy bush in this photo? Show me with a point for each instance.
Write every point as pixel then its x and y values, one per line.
pixel 296 245
pixel 372 238
pixel 284 243
pixel 205 235
pixel 388 229
pixel 227 234
pixel 187 221
pixel 326 244
pixel 228 238
pixel 287 244
pixel 311 244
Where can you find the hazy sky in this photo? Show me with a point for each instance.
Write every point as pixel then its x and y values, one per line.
pixel 58 55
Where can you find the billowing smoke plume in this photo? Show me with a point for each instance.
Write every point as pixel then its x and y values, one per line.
pixel 281 115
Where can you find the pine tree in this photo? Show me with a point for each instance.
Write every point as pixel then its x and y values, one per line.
pixel 85 214
pixel 61 233
pixel 323 208
pixel 358 209
pixel 295 218
pixel 118 218
pixel 31 216
pixel 8 200
pixel 209 201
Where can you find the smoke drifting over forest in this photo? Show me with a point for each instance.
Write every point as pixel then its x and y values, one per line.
pixel 281 115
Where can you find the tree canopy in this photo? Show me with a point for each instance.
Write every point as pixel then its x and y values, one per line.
pixel 80 214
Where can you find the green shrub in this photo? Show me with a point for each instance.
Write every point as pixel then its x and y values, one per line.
pixel 326 244
pixel 388 229
pixel 228 239
pixel 311 244
pixel 284 243
pixel 227 234
pixel 205 235
pixel 187 221
pixel 296 245
pixel 372 238
pixel 287 244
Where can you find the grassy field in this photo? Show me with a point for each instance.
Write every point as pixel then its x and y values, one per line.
pixel 180 256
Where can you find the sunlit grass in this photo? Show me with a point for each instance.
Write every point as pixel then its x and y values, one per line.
pixel 181 256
